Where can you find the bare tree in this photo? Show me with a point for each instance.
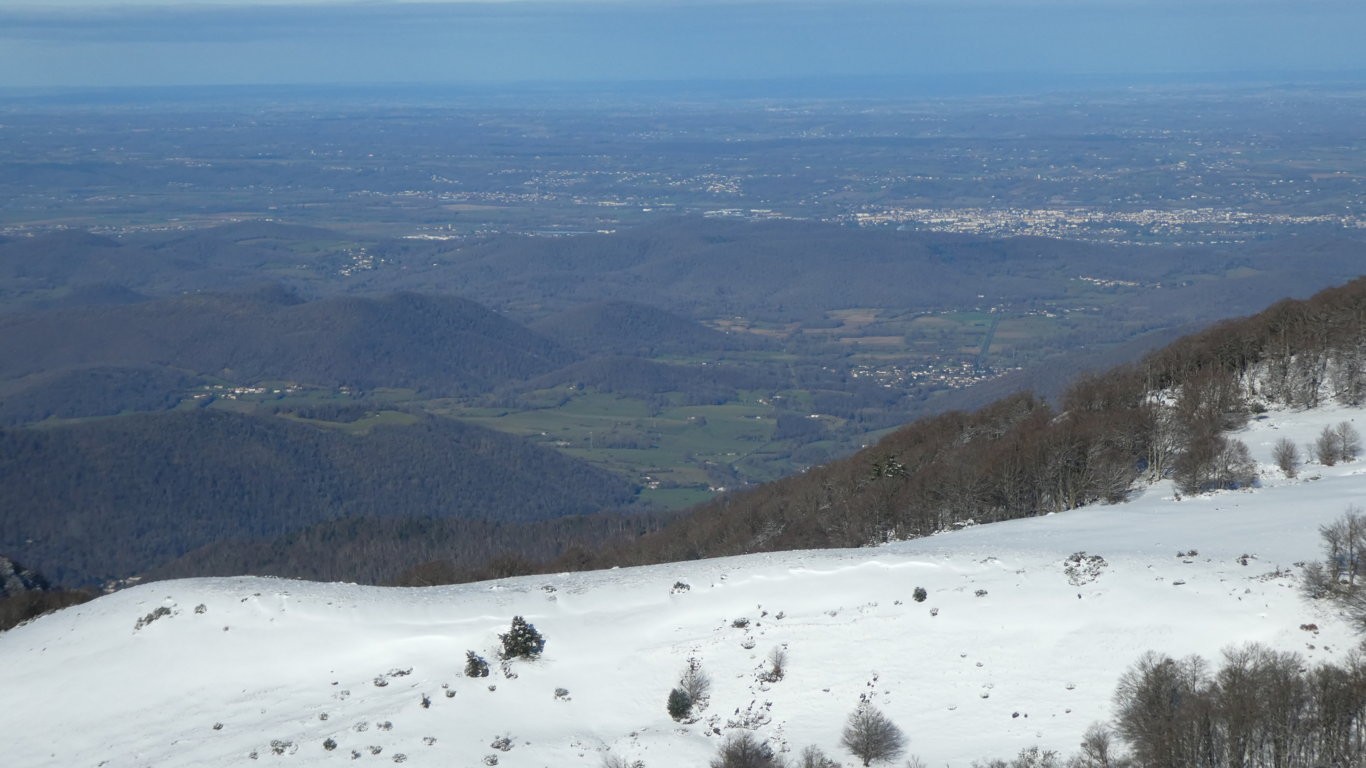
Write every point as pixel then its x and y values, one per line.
pixel 872 737
pixel 1348 441
pixel 1287 456
pixel 1097 748
pixel 1344 547
pixel 696 683
pixel 815 757
pixel 1326 447
pixel 777 665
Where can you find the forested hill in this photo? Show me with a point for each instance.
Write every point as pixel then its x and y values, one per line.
pixel 441 344
pixel 115 497
pixel 627 328
pixel 1170 415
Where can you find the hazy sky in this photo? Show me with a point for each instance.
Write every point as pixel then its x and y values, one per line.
pixel 165 42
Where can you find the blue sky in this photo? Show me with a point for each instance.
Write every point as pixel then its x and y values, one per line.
pixel 192 42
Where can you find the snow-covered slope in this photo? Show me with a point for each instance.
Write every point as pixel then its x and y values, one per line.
pixel 1009 649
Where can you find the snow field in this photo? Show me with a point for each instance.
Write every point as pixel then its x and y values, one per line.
pixel 285 665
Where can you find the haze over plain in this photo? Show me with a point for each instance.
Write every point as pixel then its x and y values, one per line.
pixel 955 46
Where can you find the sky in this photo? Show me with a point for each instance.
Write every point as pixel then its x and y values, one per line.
pixel 99 43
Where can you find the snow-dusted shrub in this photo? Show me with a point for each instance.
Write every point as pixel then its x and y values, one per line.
pixel 1287 456
pixel 502 743
pixel 160 611
pixel 814 757
pixel 329 744
pixel 1326 447
pixel 521 641
pixel 615 761
pixel 745 750
pixel 777 665
pixel 475 665
pixel 919 594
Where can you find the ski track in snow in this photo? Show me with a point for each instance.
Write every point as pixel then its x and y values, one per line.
pixel 274 667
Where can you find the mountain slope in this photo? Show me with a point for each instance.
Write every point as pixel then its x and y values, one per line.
pixel 1009 649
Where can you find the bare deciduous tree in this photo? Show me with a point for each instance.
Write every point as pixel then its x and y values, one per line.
pixel 1348 441
pixel 872 736
pixel 696 683
pixel 1326 447
pixel 815 757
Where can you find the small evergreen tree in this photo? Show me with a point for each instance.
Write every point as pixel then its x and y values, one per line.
pixel 521 640
pixel 679 704
pixel 475 666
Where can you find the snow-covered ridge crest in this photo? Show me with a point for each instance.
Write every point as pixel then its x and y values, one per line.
pixel 1017 643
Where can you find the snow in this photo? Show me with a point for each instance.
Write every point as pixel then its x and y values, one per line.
pixel 1033 660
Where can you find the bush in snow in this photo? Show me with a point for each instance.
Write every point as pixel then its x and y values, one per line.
pixel 475 665
pixel 745 750
pixel 813 757
pixel 160 611
pixel 1097 749
pixel 1340 443
pixel 679 704
pixel 613 761
pixel 330 744
pixel 1213 462
pixel 872 736
pixel 920 594
pixel 1287 456
pixel 777 665
pixel 502 743
pixel 521 641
